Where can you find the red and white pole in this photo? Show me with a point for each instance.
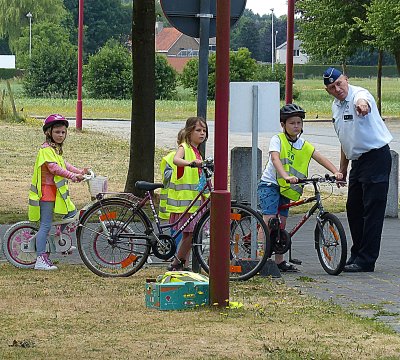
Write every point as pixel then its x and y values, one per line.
pixel 80 60
pixel 221 197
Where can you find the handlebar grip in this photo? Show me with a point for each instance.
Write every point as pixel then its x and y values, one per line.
pixel 193 164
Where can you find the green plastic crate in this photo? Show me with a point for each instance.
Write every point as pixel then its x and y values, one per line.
pixel 176 295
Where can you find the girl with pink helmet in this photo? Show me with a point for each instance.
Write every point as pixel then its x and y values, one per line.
pixel 49 192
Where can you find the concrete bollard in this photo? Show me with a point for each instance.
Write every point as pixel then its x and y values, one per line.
pixel 392 205
pixel 240 181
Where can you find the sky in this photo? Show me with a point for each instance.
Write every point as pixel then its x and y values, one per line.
pixel 264 6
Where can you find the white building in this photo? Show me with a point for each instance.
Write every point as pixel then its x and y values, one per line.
pixel 299 56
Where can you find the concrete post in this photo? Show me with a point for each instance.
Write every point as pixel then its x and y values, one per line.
pixel 392 206
pixel 240 181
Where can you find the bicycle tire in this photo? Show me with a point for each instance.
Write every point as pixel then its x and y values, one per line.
pixel 112 238
pixel 331 244
pixel 243 264
pixel 17 237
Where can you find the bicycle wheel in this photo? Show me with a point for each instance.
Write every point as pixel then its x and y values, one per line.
pixel 17 246
pixel 331 244
pixel 249 242
pixel 112 238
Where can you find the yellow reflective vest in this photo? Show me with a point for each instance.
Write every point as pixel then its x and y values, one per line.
pixel 63 203
pixel 179 192
pixel 167 167
pixel 295 163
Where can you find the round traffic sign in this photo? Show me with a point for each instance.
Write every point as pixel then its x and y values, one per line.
pixel 185 15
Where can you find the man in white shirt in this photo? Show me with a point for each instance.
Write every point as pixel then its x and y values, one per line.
pixel 364 140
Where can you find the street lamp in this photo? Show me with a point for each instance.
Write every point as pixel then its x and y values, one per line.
pixel 272 39
pixel 29 16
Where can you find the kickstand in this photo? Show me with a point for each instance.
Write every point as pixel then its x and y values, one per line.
pixel 291 260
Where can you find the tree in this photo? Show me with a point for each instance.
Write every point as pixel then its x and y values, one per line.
pixel 52 71
pixel 142 150
pixel 382 27
pixel 42 32
pixel 242 68
pixel 109 72
pixel 13 15
pixel 165 78
pixel 103 20
pixel 246 34
pixel 328 28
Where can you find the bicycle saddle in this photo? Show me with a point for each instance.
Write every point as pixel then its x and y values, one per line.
pixel 148 186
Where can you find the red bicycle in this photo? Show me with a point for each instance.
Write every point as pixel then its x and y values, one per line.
pixel 329 235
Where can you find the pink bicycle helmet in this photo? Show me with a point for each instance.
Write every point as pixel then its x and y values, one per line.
pixel 54 119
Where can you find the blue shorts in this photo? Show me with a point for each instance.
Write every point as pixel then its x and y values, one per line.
pixel 270 199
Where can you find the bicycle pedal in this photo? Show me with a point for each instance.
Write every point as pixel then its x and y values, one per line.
pixel 295 261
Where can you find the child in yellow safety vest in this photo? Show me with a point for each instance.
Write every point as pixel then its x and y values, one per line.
pixel 49 188
pixel 182 187
pixel 289 159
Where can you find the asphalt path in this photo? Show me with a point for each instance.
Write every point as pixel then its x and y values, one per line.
pixel 319 133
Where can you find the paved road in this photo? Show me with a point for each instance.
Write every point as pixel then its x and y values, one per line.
pixel 320 134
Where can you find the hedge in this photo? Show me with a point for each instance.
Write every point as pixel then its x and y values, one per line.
pixel 10 73
pixel 305 71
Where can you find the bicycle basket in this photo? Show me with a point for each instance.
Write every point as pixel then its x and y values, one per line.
pixel 97 185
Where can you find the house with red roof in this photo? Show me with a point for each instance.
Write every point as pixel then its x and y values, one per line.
pixel 177 47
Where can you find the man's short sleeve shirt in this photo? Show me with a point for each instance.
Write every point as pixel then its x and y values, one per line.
pixel 359 134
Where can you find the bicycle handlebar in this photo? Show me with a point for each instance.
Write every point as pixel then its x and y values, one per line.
pixel 90 175
pixel 320 179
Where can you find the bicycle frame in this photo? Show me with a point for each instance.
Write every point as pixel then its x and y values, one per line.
pixel 160 227
pixel 317 206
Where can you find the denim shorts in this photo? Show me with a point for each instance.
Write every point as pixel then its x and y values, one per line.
pixel 270 199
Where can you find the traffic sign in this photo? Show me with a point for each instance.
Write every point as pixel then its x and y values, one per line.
pixel 185 15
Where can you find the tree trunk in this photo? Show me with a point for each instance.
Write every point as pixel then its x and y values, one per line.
pixel 142 149
pixel 379 82
pixel 397 57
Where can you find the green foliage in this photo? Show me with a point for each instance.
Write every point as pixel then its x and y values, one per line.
pixel 13 15
pixel 328 29
pixel 265 73
pixel 6 74
pixel 52 71
pixel 254 32
pixel 165 77
pixel 382 26
pixel 109 72
pixel 103 20
pixel 42 33
pixel 242 68
pixel 305 71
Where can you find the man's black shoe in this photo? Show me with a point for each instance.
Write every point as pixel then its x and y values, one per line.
pixel 356 268
pixel 351 260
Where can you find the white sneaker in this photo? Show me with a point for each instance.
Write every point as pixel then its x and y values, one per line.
pixel 44 263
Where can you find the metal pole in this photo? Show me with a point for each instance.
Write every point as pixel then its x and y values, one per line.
pixel 289 53
pixel 272 38
pixel 29 15
pixel 80 57
pixel 220 197
pixel 202 85
pixel 254 161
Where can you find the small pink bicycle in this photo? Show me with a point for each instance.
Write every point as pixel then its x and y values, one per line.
pixel 19 244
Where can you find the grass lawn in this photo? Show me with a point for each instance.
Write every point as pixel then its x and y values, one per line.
pixel 73 314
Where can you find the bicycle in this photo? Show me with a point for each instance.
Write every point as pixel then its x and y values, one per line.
pixel 19 245
pixel 115 236
pixel 329 235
